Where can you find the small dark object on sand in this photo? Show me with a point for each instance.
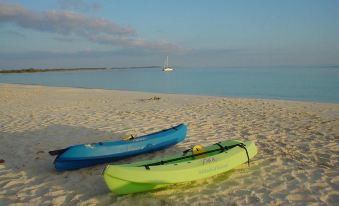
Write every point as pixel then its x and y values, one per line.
pixel 2 161
pixel 154 98
pixel 150 99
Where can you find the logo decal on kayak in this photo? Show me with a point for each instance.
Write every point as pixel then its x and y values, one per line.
pixel 214 169
pixel 208 160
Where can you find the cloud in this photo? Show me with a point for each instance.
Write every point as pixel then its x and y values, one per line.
pixel 65 39
pixel 127 41
pixel 14 33
pixel 62 22
pixel 78 5
pixel 68 23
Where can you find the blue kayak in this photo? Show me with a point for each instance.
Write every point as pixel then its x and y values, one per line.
pixel 85 155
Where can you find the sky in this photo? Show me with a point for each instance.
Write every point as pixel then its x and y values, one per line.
pixel 193 33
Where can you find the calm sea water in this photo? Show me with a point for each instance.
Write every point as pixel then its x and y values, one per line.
pixel 320 84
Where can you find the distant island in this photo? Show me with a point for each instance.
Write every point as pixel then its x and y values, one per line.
pixel 32 70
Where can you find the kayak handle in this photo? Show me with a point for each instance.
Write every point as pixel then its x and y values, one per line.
pixel 57 152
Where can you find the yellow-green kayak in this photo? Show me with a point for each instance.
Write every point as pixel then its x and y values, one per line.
pixel 191 165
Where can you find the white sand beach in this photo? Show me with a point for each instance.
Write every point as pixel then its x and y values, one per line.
pixel 297 161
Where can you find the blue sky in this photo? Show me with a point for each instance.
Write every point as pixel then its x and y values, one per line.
pixel 194 33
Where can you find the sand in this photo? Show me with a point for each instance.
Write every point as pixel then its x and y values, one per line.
pixel 297 163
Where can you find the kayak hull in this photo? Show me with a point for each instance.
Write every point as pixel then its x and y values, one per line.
pixel 136 177
pixel 86 155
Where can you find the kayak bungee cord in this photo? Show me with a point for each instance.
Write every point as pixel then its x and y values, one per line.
pixel 221 149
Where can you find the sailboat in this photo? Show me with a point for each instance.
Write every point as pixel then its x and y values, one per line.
pixel 166 67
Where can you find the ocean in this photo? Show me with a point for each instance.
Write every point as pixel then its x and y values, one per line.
pixel 315 84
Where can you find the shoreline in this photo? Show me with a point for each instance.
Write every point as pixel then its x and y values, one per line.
pixel 297 145
pixel 184 94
